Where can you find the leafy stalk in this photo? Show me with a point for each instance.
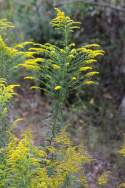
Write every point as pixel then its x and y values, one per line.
pixel 62 70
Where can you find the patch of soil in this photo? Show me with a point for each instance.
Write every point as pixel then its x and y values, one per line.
pixel 30 110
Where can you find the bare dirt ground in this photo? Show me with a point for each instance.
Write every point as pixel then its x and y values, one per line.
pixel 30 111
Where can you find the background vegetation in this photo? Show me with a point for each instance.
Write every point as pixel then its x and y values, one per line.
pixel 98 114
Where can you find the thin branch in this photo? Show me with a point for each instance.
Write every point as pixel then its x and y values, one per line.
pixel 91 2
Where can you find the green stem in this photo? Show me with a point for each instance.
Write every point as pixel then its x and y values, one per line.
pixel 56 117
pixel 66 33
pixel 58 107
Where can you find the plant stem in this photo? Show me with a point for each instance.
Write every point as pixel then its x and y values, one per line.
pixel 58 106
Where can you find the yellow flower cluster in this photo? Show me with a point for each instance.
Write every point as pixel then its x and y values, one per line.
pixel 89 82
pixel 85 68
pixel 5 24
pixel 62 69
pixel 122 185
pixel 122 150
pixel 62 22
pixel 7 50
pixel 55 66
pixel 74 78
pixel 34 166
pixel 19 151
pixel 6 93
pixel 63 138
pixel 9 58
pixel 57 88
pixel 103 179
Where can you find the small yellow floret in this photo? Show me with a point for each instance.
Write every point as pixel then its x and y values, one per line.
pixel 88 82
pixel 103 179
pixel 73 78
pixel 57 88
pixel 55 66
pixel 85 68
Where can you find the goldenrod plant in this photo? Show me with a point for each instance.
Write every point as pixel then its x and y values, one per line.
pixel 6 93
pixel 5 24
pixel 103 179
pixel 61 69
pixel 9 56
pixel 27 166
